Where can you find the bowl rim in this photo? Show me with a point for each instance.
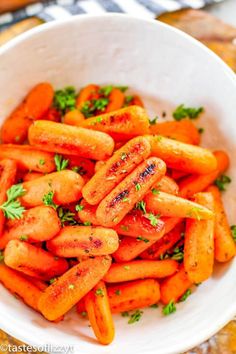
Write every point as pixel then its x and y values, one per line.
pixel 230 312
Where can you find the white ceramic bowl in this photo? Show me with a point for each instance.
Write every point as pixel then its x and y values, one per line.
pixel 163 64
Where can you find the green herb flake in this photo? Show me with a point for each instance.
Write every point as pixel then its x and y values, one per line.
pixel 153 219
pixel 125 199
pixel 99 292
pixel 79 207
pixel 126 267
pixel 71 286
pixel 124 227
pixel 185 295
pixel 222 181
pixel 128 99
pixel 140 238
pixel 61 164
pixel 169 308
pixel 1 256
pixel 123 156
pixel 137 187
pixel 91 107
pixel 122 88
pixel 141 206
pixel 66 216
pixel 52 281
pixel 233 231
pixel 118 292
pixel 87 223
pixel 24 238
pixel 155 191
pixel 48 200
pixel 135 317
pixel 125 314
pixel 182 112
pixel 201 130
pixel 84 314
pixel 106 90
pixel 65 99
pixel 154 306
pixel 153 121
pixel 12 208
pixel 42 162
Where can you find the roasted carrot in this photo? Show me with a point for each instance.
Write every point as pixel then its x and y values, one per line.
pixel 132 189
pixel 53 115
pixel 122 124
pixel 116 100
pixel 176 175
pixel 98 165
pixel 62 295
pixel 30 176
pixel 225 247
pixel 133 295
pixel 18 285
pixel 194 184
pixel 87 93
pixel 181 156
pixel 167 185
pixel 61 187
pixel 84 167
pixel 28 158
pixel 135 100
pixel 87 213
pixel 66 139
pixel 40 284
pixel 33 261
pixel 74 117
pixel 175 286
pixel 75 241
pixel 99 313
pixel 36 104
pixel 199 243
pixel 140 269
pixel 116 169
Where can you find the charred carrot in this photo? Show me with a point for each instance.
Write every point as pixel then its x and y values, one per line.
pixel 62 295
pixel 66 139
pixel 74 117
pixel 30 176
pixel 61 187
pixel 181 156
pixel 75 241
pixel 35 106
pixel 199 243
pixel 116 169
pixel 225 247
pixel 87 93
pixel 132 189
pixel 99 313
pixel 116 100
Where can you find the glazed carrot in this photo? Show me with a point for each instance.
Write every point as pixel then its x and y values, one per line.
pixel 140 269
pixel 87 213
pixel 160 247
pixel 75 241
pixel 116 169
pixel 194 184
pixel 52 115
pixel 184 129
pixel 84 167
pixel 98 165
pixel 122 124
pixel 176 175
pixel 181 156
pixel 225 247
pixel 99 313
pixel 116 100
pixel 135 101
pixel 87 93
pixel 36 104
pixel 40 284
pixel 37 224
pixel 172 205
pixel 30 176
pixel 175 286
pixel 167 185
pixel 74 117
pixel 28 158
pixel 199 243
pixel 123 197
pixel 66 139
pixel 63 187
pixel 17 284
pixel 62 295
pixel 33 261
pixel 133 295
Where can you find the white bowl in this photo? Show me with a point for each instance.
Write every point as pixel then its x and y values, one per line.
pixel 163 64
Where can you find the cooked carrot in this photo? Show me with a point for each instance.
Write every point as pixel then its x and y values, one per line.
pixel 28 158
pixel 122 124
pixel 87 93
pixel 140 269
pixel 62 187
pixel 225 247
pixel 176 175
pixel 116 169
pixel 175 286
pixel 40 284
pixel 199 243
pixel 135 101
pixel 184 129
pixel 172 205
pixel 167 185
pixel 30 176
pixel 99 313
pixel 62 295
pixel 33 261
pixel 18 285
pixel 170 223
pixel 74 117
pixel 99 164
pixel 75 241
pixel 161 246
pixel 84 167
pixel 133 295
pixel 53 115
pixel 124 196
pixel 36 104
pixel 194 184
pixel 181 156
pixel 37 224
pixel 87 213
pixel 66 139
pixel 116 100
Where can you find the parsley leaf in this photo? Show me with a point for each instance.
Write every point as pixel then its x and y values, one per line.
pixel 141 238
pixel 60 163
pixel 141 206
pixel 155 191
pixel 66 216
pixel 90 108
pixel 65 99
pixel 122 88
pixel 79 207
pixel 99 292
pixel 222 181
pixel 153 121
pixel 185 295
pixel 48 200
pixel 182 112
pixel 128 100
pixel 12 208
pixel 137 187
pixel 135 317
pixel 1 256
pixel 153 219
pixel 24 238
pixel 106 90
pixel 233 231
pixel 169 308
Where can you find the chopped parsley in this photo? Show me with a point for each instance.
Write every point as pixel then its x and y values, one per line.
pixel 52 281
pixel 65 99
pixel 153 219
pixel 154 306
pixel 137 187
pixel 125 199
pixel 128 99
pixel 48 200
pixel 71 286
pixel 233 231
pixel 118 292
pixel 66 216
pixel 12 208
pixel 135 317
pixel 99 292
pixel 24 238
pixel 123 156
pixel 87 223
pixel 141 206
pixel 122 88
pixel 61 164
pixel 126 267
pixel 124 227
pixel 140 238
pixel 84 314
pixel 1 256
pixel 79 207
pixel 222 181
pixel 155 191
pixel 91 107
pixel 106 90
pixel 125 314
pixel 169 308
pixel 153 121
pixel 42 162
pixel 185 295
pixel 182 112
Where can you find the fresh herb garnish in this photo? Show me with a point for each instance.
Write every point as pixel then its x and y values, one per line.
pixel 79 207
pixel 141 238
pixel 128 99
pixel 201 130
pixel 122 88
pixel 66 216
pixel 48 200
pixel 124 227
pixel 52 281
pixel 90 108
pixel 153 121
pixel 24 238
pixel 87 223
pixel 60 163
pixel 185 295
pixel 118 292
pixel 169 308
pixel 222 181
pixel 154 306
pixel 71 286
pixel 123 156
pixel 99 292
pixel 137 187
pixel 141 206
pixel 106 90
pixel 153 219
pixel 155 191
pixel 1 256
pixel 126 267
pixel 233 231
pixel 12 208
pixel 125 314
pixel 135 317
pixel 42 162
pixel 182 112
pixel 65 99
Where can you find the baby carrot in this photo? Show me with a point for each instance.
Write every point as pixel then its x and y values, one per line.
pixel 175 286
pixel 40 284
pixel 194 184
pixel 75 241
pixel 87 93
pixel 29 158
pixel 99 313
pixel 140 269
pixel 87 213
pixel 98 165
pixel 33 261
pixel 199 243
pixel 129 191
pixel 35 106
pixel 116 100
pixel 116 169
pixel 133 295
pixel 67 139
pixel 53 115
pixel 62 295
pixel 176 175
pixel 18 285
pixel 30 176
pixel 74 117
pixel 167 185
pixel 225 247
pixel 61 187
pixel 181 156
pixel 37 224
